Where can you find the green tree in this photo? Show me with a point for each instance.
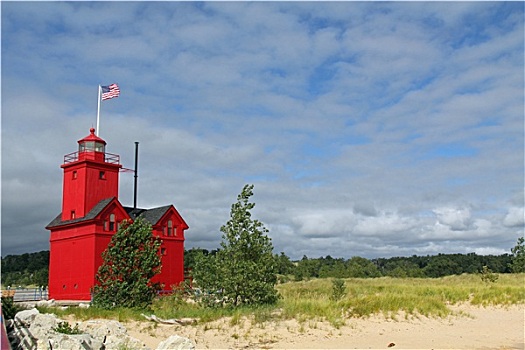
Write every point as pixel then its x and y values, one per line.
pixel 284 265
pixel 244 269
pixel 361 267
pixel 517 264
pixel 129 262
pixel 441 265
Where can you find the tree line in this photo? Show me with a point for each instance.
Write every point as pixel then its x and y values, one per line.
pixel 431 266
pixel 25 269
pixel 33 268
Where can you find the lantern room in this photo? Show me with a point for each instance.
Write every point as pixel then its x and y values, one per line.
pixel 91 147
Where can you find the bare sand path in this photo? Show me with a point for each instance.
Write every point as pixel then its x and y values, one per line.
pixel 474 328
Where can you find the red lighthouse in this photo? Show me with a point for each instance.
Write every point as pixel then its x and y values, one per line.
pixel 91 214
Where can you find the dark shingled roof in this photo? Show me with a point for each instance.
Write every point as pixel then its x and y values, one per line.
pixel 151 215
pixel 93 213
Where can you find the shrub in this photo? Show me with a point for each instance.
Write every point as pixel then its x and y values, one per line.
pixel 488 276
pixel 65 328
pixel 338 289
pixel 9 308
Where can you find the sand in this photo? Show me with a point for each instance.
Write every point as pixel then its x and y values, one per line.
pixel 470 328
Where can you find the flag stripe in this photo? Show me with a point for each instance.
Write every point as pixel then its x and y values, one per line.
pixel 110 91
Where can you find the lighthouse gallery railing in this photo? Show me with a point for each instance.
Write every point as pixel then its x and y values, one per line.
pixel 108 158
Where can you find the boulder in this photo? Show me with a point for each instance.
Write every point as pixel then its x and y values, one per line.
pixel 42 325
pixel 59 341
pixel 25 317
pixel 112 333
pixel 176 342
pixel 33 330
pixel 45 303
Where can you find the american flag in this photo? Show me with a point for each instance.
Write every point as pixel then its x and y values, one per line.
pixel 110 91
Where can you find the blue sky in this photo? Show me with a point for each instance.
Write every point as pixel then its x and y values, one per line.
pixel 368 129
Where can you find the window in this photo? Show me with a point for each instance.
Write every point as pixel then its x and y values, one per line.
pixel 74 174
pixel 162 251
pixel 72 214
pixel 102 175
pixel 170 228
pixel 106 225
pixel 112 222
pixel 99 147
pixel 86 146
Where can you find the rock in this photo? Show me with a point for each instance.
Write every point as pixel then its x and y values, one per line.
pixel 45 303
pixel 115 334
pixel 61 341
pixel 101 328
pixel 33 330
pixel 83 306
pixel 176 342
pixel 42 325
pixel 27 305
pixel 25 317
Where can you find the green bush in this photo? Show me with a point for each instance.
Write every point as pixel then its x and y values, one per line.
pixel 65 328
pixel 338 289
pixel 9 308
pixel 488 276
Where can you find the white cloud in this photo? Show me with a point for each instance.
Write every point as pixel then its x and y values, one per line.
pixel 457 219
pixel 515 217
pixel 367 128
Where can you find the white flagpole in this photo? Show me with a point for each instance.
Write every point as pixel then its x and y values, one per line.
pixel 98 110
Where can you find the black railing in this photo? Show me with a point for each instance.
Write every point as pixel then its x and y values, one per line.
pixel 108 157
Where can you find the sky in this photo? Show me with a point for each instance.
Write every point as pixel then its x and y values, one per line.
pixel 372 129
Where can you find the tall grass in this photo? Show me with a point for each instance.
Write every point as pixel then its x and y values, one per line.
pixel 118 314
pixel 312 300
pixel 391 296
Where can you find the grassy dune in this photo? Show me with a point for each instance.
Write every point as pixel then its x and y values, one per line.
pixel 390 296
pixel 311 300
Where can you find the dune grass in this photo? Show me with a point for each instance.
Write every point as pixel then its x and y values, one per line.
pixel 391 296
pixel 118 314
pixel 311 300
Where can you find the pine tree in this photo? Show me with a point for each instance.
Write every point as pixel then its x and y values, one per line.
pixel 129 262
pixel 244 269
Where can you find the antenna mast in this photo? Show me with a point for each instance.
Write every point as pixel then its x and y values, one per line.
pixel 136 175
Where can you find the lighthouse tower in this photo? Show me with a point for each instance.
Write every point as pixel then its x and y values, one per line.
pixel 90 175
pixel 91 214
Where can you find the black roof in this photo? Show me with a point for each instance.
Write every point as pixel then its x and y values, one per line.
pixel 152 215
pixel 93 213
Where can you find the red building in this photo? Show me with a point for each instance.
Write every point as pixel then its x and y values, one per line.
pixel 91 214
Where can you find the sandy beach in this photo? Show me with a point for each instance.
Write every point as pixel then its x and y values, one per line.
pixel 470 328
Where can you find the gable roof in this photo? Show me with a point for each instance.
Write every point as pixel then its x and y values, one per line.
pixel 93 213
pixel 151 215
